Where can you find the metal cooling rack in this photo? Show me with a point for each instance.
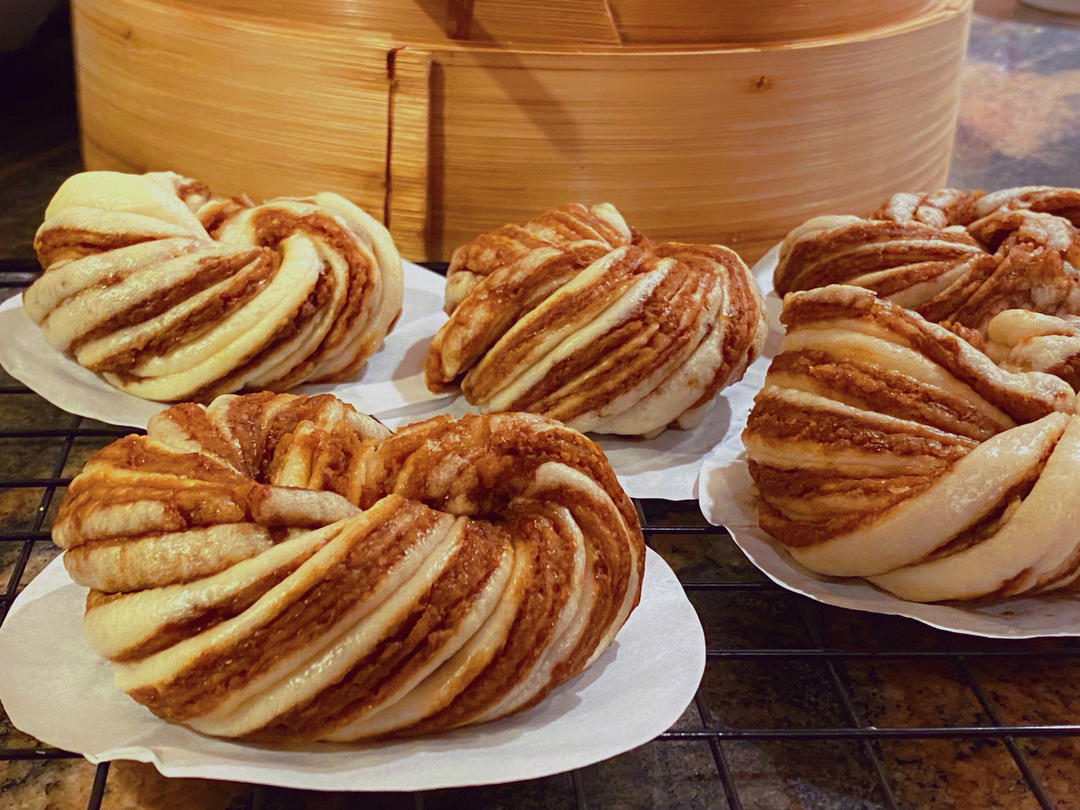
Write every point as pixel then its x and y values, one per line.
pixel 794 657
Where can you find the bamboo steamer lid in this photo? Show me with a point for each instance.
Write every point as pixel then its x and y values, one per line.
pixel 445 137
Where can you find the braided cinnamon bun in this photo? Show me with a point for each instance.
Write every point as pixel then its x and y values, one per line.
pixel 169 292
pixel 884 446
pixel 281 568
pixel 575 316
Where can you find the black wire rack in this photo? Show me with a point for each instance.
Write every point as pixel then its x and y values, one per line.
pixel 801 704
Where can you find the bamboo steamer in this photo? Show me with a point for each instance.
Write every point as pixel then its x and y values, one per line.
pixel 447 123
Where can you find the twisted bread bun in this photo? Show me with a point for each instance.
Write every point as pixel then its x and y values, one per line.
pixel 883 446
pixel 281 568
pixel 954 257
pixel 576 317
pixel 171 293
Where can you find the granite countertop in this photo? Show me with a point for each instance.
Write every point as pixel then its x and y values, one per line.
pixel 779 665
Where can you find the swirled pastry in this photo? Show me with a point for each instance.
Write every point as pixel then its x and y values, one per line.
pixel 953 257
pixel 281 568
pixel 576 317
pixel 974 262
pixel 171 293
pixel 1019 340
pixel 940 209
pixel 884 446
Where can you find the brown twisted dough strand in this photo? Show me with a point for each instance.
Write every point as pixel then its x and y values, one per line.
pixel 883 446
pixel 171 293
pixel 1019 340
pixel 576 317
pixel 940 209
pixel 919 266
pixel 282 568
pixel 557 243
pixel 953 257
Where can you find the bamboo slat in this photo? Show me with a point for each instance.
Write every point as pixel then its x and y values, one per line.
pixel 446 137
pixel 242 105
pixel 434 22
pixel 510 22
pixel 754 21
pixel 408 181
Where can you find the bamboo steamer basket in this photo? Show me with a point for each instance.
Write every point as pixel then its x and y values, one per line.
pixel 447 124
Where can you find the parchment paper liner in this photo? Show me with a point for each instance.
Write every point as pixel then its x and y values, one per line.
pixel 58 690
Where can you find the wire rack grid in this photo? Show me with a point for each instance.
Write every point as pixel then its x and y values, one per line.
pixel 801 705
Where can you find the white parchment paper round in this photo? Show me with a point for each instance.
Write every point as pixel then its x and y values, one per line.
pixel 57 689
pixel 391 388
pixel 726 497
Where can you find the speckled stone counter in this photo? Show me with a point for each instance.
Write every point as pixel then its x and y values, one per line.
pixel 791 685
